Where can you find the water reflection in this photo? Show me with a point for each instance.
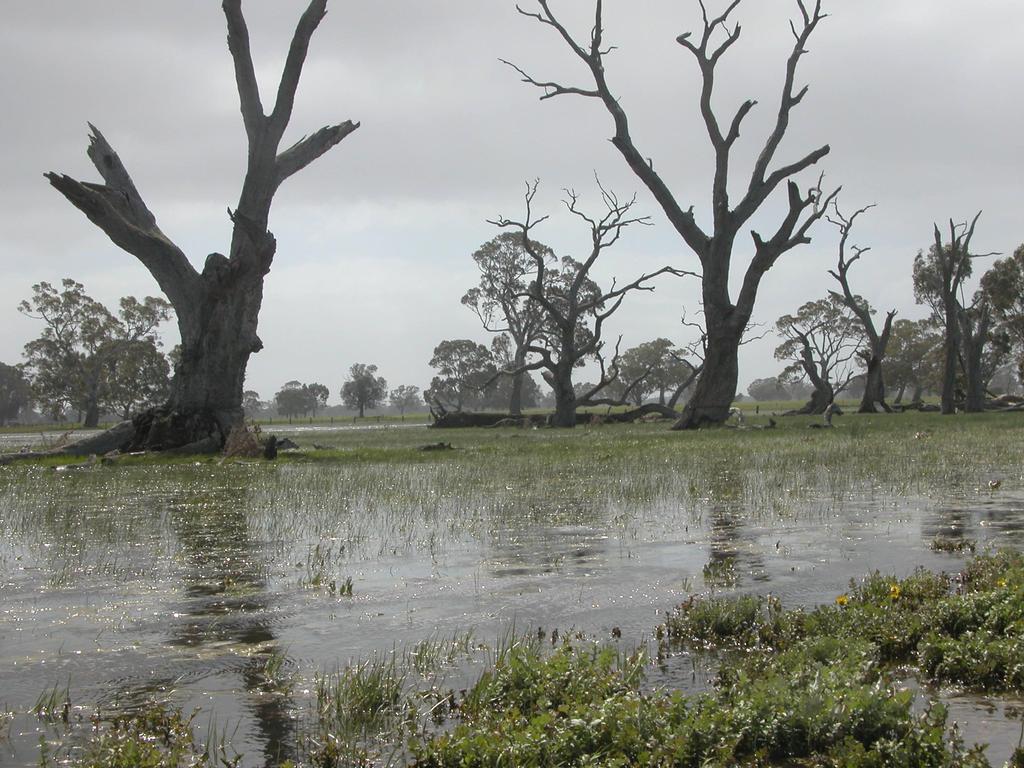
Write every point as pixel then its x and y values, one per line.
pixel 199 594
pixel 226 608
pixel 732 548
pixel 997 518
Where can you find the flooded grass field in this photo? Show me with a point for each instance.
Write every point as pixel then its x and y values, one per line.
pixel 242 588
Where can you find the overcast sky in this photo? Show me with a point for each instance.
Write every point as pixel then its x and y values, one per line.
pixel 921 101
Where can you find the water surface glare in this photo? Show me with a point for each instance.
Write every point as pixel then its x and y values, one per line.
pixel 130 583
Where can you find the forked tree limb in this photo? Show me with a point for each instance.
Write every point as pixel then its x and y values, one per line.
pixel 118 209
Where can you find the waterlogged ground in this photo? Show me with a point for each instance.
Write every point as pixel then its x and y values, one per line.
pixel 126 584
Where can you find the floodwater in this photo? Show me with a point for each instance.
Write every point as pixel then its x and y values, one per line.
pixel 129 584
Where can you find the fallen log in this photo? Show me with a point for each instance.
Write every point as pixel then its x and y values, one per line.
pixel 628 417
pixel 461 419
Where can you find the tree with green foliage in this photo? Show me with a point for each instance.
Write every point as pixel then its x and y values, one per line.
pixel 15 393
pixel 656 367
pixel 89 359
pixel 319 394
pixel 820 342
pixel 499 394
pixel 1003 284
pixel 939 278
pixel 771 388
pixel 464 370
pixel 140 378
pixel 252 404
pixel 298 399
pixel 404 397
pixel 914 358
pixel 363 389
pixel 503 302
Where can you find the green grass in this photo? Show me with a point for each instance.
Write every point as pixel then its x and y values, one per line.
pixel 584 706
pixel 966 630
pixel 155 737
pixel 797 688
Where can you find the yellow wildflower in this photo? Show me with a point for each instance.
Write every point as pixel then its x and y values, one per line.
pixel 1001 583
pixel 842 600
pixel 894 591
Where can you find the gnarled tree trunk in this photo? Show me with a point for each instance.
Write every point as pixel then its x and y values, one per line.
pixel 974 328
pixel 716 384
pixel 560 381
pixel 515 402
pixel 950 354
pixel 874 388
pixel 878 343
pixel 217 309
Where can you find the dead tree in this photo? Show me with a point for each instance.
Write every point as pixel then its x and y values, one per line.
pixel 820 340
pixel 698 349
pixel 570 299
pixel 975 323
pixel 217 308
pixel 873 352
pixel 938 280
pixel 726 317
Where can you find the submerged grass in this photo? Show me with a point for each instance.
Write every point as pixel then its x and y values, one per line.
pixel 155 737
pixel 796 689
pixel 308 519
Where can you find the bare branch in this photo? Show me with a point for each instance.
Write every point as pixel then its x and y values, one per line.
pixel 682 220
pixel 551 89
pixel 308 149
pixel 119 210
pixel 788 100
pixel 293 64
pixel 245 74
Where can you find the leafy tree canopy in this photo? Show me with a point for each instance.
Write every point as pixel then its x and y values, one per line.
pixel 363 389
pixel 90 359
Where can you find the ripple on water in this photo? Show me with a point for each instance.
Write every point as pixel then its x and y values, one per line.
pixel 174 583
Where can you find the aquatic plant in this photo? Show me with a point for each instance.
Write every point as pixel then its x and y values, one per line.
pixel 967 630
pixel 579 706
pixel 155 737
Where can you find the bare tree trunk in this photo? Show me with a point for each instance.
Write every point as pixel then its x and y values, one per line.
pixel 951 352
pixel 899 394
pixel 716 385
pixel 874 388
pixel 515 402
pixel 92 415
pixel 918 395
pixel 560 380
pixel 565 404
pixel 974 336
pixel 822 395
